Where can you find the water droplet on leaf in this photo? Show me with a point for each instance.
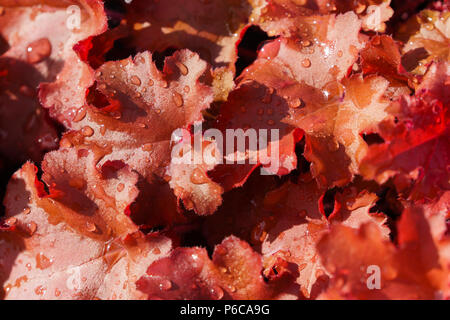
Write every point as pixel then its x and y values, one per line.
pixel 135 80
pixel 90 227
pixel 198 177
pixel 306 63
pixel 87 131
pixel 38 50
pixel 178 99
pixel 183 69
pixel 165 285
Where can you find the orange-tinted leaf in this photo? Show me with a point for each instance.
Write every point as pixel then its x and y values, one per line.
pixel 209 28
pixel 38 45
pixel 188 175
pixel 356 257
pixel 415 148
pixel 61 248
pixel 426 36
pixel 287 17
pixel 233 273
pixel 382 56
pixel 298 223
pixel 145 107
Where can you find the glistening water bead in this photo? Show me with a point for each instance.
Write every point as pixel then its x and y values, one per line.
pixel 38 51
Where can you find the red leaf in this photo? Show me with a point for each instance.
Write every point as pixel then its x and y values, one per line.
pixel 67 249
pixel 39 50
pixel 382 56
pixel 188 175
pixel 255 107
pixel 287 17
pixel 415 150
pixel 233 273
pixel 210 29
pixel 350 254
pixel 298 224
pixel 146 107
pixel 65 94
pixel 426 37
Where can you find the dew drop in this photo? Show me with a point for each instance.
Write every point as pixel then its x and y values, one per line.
pixel 42 262
pixel 151 82
pixel 164 84
pixel 39 50
pixel 165 285
pixel 305 43
pixel 178 99
pixel 135 80
pixel 40 290
pixel 216 292
pixel 90 226
pixel 80 114
pixel 32 227
pixel 183 69
pixel 296 103
pixel 120 187
pixel 198 176
pixel 306 63
pixel 87 131
pixel 186 89
pixel 147 147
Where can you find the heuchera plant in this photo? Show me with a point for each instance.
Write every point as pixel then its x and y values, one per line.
pixel 99 101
